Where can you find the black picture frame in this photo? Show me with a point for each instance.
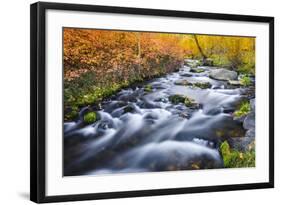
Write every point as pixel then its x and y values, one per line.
pixel 38 101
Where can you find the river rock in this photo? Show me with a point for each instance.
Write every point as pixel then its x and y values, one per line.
pixel 223 74
pixel 250 133
pixel 197 70
pixel 249 122
pixel 253 104
pixel 214 111
pixel 240 119
pixel 203 85
pixel 182 82
pixel 241 143
pixel 248 92
pixel 186 75
pixel 234 82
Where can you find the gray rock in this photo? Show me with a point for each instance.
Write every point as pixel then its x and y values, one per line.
pixel 197 70
pixel 182 82
pixel 249 122
pixel 223 74
pixel 186 75
pixel 253 104
pixel 250 133
pixel 234 82
pixel 214 111
pixel 242 143
pixel 240 119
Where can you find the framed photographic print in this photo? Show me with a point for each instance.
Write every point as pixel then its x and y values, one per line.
pixel 129 102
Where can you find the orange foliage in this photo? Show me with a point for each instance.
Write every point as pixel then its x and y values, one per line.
pixel 115 55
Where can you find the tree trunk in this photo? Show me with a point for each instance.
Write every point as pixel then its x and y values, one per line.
pixel 200 49
pixel 139 45
pixel 138 35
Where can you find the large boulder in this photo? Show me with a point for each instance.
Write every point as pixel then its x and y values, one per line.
pixel 249 122
pixel 223 74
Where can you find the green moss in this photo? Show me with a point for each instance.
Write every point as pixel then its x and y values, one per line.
pixel 90 117
pixel 128 109
pixel 197 70
pixel 175 99
pixel 188 102
pixel 202 85
pixel 71 113
pixel 244 109
pixel 148 88
pixel 234 158
pixel 245 80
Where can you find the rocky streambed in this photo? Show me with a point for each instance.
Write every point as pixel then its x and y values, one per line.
pixel 175 122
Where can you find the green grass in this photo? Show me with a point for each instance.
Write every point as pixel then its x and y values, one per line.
pixel 148 88
pixel 235 159
pixel 245 80
pixel 244 109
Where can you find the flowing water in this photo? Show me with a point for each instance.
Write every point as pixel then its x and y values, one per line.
pixel 140 131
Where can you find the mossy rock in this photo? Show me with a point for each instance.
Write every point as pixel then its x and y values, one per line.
pixel 197 70
pixel 235 159
pixel 90 117
pixel 188 102
pixel 203 85
pixel 175 99
pixel 148 88
pixel 128 109
pixel 182 82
